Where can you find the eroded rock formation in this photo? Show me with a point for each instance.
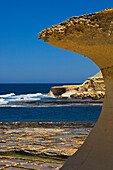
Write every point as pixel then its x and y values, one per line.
pixel 92 36
pixel 93 88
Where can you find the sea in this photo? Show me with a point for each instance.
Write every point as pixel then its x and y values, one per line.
pixel 30 103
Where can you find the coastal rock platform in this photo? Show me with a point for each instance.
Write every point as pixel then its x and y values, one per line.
pixel 39 145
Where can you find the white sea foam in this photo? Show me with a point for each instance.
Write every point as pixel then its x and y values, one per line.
pixel 7 95
pixel 45 95
pixel 16 105
pixel 33 95
pixel 12 97
pixel 2 101
pixel 13 100
pixel 22 98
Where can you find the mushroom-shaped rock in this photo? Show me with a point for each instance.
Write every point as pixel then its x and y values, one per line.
pixel 92 36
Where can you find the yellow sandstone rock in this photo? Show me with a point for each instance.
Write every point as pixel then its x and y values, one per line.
pixel 93 88
pixel 91 35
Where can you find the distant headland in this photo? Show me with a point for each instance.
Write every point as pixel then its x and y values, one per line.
pixel 93 88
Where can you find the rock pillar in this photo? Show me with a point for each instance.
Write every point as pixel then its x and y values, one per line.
pixel 92 36
pixel 97 151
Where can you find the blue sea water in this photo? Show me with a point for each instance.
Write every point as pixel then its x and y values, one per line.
pixel 85 114
pixel 30 103
pixel 25 88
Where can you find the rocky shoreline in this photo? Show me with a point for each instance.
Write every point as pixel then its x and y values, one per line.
pixel 92 89
pixel 41 139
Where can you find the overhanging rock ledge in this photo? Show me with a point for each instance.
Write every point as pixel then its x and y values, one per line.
pixel 91 35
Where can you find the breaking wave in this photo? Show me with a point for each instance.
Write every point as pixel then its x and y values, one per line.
pixel 15 100
pixel 2 101
pixel 7 95
pixel 40 100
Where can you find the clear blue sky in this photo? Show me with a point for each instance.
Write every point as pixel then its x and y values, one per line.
pixel 24 58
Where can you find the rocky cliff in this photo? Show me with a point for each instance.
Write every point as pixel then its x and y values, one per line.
pixel 93 88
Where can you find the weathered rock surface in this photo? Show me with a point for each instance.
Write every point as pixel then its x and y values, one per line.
pixel 18 163
pixel 51 140
pixel 91 35
pixel 93 88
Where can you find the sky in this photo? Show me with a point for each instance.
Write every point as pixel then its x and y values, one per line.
pixel 24 58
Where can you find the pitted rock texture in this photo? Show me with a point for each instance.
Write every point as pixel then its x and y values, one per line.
pixel 90 35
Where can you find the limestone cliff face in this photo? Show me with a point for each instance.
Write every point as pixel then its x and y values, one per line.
pixel 91 35
pixel 93 88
